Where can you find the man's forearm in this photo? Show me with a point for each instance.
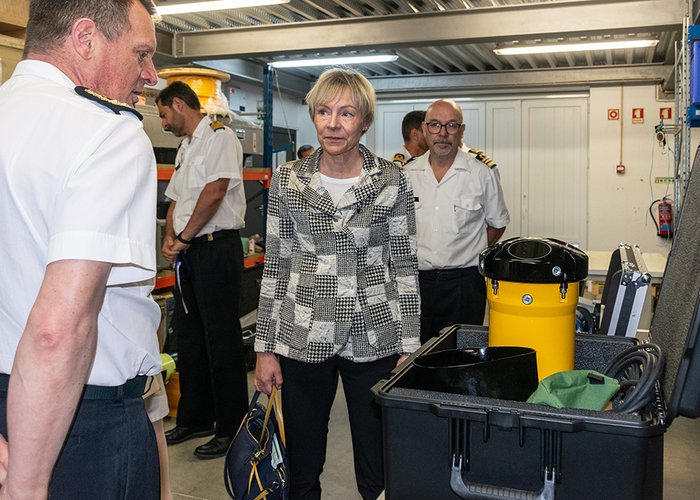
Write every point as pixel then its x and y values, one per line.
pixel 51 366
pixel 207 205
pixel 494 234
pixel 169 231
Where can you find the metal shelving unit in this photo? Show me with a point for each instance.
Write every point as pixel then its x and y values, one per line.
pixel 683 94
pixel 682 125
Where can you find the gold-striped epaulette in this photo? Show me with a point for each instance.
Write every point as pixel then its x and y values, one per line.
pixel 479 155
pixel 400 159
pixel 216 125
pixel 112 104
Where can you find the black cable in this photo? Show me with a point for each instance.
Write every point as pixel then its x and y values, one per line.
pixel 587 320
pixel 651 214
pixel 638 369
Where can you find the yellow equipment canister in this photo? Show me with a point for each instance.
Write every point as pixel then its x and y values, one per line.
pixel 532 291
pixel 205 82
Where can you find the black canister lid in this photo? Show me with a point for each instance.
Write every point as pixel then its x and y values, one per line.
pixel 534 260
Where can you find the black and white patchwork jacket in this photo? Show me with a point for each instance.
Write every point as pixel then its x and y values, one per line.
pixel 339 279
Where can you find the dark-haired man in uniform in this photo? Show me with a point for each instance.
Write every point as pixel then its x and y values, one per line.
pixel 414 144
pixel 203 241
pixel 459 211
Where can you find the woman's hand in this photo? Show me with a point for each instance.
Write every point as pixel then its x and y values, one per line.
pixel 401 359
pixel 267 372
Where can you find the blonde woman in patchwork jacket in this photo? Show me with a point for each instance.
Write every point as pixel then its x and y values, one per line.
pixel 339 294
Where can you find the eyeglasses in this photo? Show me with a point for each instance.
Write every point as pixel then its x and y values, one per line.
pixel 451 127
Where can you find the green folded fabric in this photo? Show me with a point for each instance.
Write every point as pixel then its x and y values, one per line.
pixel 582 389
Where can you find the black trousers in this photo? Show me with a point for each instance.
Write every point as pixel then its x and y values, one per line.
pixel 206 321
pixel 308 392
pixel 450 297
pixel 110 452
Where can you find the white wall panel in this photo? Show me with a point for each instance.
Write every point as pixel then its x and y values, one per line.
pixel 616 206
pixel 619 203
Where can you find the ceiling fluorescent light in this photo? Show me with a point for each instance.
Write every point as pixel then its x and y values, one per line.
pixel 575 47
pixel 184 8
pixel 331 61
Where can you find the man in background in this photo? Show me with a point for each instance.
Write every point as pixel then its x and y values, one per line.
pixel 77 206
pixel 414 144
pixel 459 211
pixel 304 151
pixel 202 239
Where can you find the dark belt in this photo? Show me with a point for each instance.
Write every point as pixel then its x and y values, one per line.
pixel 217 235
pixel 447 274
pixel 131 389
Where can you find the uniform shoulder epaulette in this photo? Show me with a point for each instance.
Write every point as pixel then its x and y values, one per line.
pixel 483 158
pixel 116 106
pixel 400 158
pixel 216 125
pixel 177 165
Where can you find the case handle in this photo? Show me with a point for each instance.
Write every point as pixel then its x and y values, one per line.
pixel 486 491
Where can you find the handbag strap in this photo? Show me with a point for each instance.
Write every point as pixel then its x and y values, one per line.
pixel 264 492
pixel 271 399
pixel 276 401
pixel 253 402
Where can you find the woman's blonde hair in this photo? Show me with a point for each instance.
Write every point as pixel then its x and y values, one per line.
pixel 331 84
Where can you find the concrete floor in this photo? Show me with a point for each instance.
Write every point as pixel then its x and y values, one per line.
pixel 203 480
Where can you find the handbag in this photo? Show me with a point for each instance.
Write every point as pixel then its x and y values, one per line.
pixel 256 462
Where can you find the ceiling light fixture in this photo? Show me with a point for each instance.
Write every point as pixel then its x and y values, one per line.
pixel 575 47
pixel 184 8
pixel 331 61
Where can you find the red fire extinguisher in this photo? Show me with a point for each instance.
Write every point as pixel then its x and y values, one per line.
pixel 664 227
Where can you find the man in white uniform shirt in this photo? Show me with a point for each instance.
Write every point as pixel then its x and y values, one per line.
pixel 459 212
pixel 77 207
pixel 203 240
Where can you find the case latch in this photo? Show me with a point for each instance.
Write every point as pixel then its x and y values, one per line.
pixel 504 420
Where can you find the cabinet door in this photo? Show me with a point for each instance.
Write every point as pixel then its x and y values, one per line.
pixel 387 128
pixel 555 168
pixel 503 145
pixel 474 117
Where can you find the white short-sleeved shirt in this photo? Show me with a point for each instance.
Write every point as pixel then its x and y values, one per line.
pixel 77 181
pixel 210 155
pixel 452 215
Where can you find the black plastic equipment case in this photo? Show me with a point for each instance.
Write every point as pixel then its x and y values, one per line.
pixel 498 446
pixel 436 443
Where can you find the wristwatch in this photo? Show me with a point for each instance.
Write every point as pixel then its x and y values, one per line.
pixel 182 240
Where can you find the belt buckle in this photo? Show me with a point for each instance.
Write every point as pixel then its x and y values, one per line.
pixel 210 237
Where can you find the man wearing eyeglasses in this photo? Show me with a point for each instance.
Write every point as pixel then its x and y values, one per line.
pixel 459 211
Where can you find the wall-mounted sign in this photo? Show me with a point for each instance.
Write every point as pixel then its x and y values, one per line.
pixel 613 114
pixel 665 113
pixel 637 115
